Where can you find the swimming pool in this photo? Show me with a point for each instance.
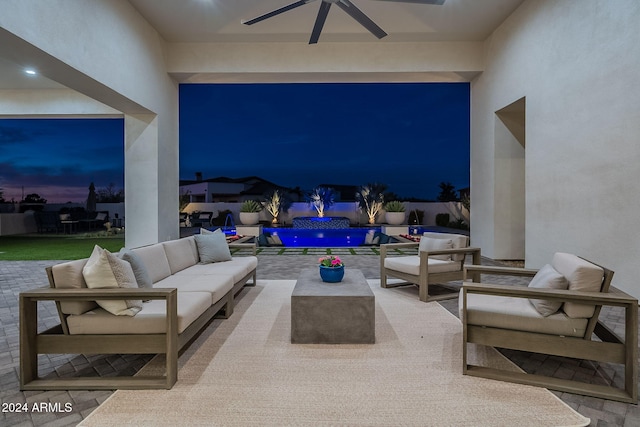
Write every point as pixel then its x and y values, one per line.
pixel 321 238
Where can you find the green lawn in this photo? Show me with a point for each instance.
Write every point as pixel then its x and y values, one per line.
pixel 54 247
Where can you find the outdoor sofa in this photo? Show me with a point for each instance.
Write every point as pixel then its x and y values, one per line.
pixel 192 279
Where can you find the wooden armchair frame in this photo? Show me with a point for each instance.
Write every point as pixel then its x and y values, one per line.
pixel 425 278
pixel 611 349
pixel 57 340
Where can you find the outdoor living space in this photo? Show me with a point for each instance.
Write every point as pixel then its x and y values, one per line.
pixel 273 271
pixel 551 163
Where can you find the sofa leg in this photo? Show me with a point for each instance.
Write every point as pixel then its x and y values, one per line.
pixel 228 308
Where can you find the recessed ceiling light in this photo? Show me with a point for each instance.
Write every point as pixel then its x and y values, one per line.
pixel 30 71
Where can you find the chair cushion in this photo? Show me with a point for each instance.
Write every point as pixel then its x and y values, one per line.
pixel 216 285
pixel 411 265
pixel 155 259
pixel 430 244
pixel 68 275
pixel 150 320
pixel 143 278
pixel 582 276
pixel 213 247
pixel 181 253
pixel 518 314
pixel 237 268
pixel 547 278
pixel 104 270
pixel 459 241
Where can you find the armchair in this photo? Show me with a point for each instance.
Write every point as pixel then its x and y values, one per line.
pixel 506 317
pixel 440 259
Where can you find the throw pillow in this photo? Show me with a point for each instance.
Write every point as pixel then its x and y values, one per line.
pixel 104 270
pixel 205 231
pixel 428 244
pixel 213 247
pixel 143 278
pixel 547 278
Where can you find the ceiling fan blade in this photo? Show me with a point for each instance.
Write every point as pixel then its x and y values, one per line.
pixel 363 19
pixel 438 2
pixel 276 12
pixel 321 18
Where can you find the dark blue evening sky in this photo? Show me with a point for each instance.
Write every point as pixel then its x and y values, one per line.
pixel 59 158
pixel 409 136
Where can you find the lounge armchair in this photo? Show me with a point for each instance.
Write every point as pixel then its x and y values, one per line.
pixel 201 219
pixel 556 315
pixel 440 260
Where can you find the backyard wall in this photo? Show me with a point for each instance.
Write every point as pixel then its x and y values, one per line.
pixel 345 209
pixel 576 64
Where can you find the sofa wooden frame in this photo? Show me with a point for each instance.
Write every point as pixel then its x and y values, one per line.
pixel 57 340
pixel 425 278
pixel 611 348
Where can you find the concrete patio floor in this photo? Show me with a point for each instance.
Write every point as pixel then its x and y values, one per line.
pixel 18 276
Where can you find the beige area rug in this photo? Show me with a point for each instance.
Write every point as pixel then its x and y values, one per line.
pixel 244 371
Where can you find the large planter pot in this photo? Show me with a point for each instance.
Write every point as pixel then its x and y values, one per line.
pixel 394 218
pixel 331 274
pixel 249 218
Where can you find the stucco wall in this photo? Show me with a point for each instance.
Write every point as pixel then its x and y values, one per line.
pixel 577 63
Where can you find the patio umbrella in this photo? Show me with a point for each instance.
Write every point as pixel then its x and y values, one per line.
pixel 91 199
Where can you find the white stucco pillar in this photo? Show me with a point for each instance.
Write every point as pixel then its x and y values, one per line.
pixel 141 179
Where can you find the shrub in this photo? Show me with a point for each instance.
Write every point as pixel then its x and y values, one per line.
pixel 394 206
pixel 442 220
pixel 251 206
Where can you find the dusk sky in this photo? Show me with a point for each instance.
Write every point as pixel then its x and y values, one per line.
pixel 410 137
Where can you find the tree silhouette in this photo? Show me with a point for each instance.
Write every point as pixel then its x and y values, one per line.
pixel 447 193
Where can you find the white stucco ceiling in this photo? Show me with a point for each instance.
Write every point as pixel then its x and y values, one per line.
pixel 220 20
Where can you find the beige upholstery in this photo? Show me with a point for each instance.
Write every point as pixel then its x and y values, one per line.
pixel 431 265
pixel 68 275
pixel 184 298
pixel 155 258
pixel 215 285
pixel 181 253
pixel 519 314
pixel 502 316
pixel 152 319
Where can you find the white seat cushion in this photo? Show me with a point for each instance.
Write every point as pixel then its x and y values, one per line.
pixel 150 320
pixel 518 314
pixel 458 240
pixel 68 275
pixel 155 259
pixel 582 276
pixel 238 267
pixel 216 285
pixel 411 265
pixel 181 253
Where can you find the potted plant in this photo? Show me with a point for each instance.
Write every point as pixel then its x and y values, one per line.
pixel 370 199
pixel 276 202
pixel 321 198
pixel 394 212
pixel 250 212
pixel 331 268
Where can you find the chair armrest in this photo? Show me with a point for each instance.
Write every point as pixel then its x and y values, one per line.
pixel 476 270
pixel 386 247
pixel 601 298
pixel 86 294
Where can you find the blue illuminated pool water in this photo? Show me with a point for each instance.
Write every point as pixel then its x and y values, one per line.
pixel 321 238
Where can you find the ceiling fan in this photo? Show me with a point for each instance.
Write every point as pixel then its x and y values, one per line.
pixel 345 5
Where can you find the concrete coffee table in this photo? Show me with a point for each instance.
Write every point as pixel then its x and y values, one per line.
pixel 332 313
